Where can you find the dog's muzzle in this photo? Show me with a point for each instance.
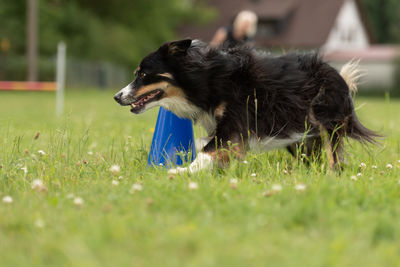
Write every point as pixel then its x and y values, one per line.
pixel 123 97
pixel 117 97
pixel 137 103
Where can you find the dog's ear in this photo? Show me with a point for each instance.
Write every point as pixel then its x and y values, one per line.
pixel 176 48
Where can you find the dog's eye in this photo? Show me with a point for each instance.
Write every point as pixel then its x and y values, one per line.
pixel 142 75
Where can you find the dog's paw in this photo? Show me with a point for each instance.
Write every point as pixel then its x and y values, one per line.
pixel 202 161
pixel 177 170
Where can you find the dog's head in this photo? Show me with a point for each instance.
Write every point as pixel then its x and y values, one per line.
pixel 155 82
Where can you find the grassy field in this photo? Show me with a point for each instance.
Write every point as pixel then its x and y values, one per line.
pixel 277 213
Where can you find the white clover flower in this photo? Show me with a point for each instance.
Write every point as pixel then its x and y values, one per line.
pixel 353 178
pixel 41 152
pixel 363 166
pixel 25 169
pixel 39 223
pixel 245 162
pixel 300 187
pixel 38 185
pixel 120 177
pixel 389 166
pixel 193 186
pixel 374 167
pixel 276 188
pixel 115 182
pixel 285 171
pixel 115 169
pixel 253 175
pixel 233 181
pixel 78 201
pixel 136 187
pixel 359 174
pixel 7 199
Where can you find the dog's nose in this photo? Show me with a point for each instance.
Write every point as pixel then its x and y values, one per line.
pixel 118 96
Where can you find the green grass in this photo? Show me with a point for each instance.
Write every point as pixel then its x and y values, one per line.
pixel 336 221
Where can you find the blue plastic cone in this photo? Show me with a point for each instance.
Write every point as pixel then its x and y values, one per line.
pixel 173 140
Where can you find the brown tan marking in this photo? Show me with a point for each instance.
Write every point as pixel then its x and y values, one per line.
pixel 330 155
pixel 328 146
pixel 148 88
pixel 167 75
pixel 220 110
pixel 174 91
pixel 136 71
pixel 172 49
pixel 168 88
pixel 223 155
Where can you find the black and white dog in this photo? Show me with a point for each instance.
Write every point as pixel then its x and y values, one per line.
pixel 247 99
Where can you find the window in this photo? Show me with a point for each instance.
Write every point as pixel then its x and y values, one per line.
pixel 266 29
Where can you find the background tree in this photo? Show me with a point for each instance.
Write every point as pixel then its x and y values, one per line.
pixel 119 31
pixel 384 19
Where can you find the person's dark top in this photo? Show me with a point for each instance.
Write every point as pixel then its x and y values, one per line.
pixel 231 41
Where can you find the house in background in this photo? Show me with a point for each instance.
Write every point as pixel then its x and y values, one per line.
pixel 338 29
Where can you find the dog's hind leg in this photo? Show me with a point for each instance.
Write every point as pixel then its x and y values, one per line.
pixel 333 142
pixel 336 146
pixel 330 110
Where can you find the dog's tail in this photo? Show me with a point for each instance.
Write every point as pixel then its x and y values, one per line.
pixel 359 132
pixel 351 74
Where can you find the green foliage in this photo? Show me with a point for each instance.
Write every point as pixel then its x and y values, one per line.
pixel 335 221
pixel 384 19
pixel 120 31
pixel 397 77
pixel 15 68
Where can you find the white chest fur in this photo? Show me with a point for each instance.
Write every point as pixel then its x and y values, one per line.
pixel 208 122
pixel 179 106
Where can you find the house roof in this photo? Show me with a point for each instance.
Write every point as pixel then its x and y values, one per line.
pixel 309 22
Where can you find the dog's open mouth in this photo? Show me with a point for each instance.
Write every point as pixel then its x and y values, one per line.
pixel 142 100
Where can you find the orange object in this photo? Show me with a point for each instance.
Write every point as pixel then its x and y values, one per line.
pixel 28 86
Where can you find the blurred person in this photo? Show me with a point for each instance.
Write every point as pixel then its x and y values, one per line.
pixel 243 29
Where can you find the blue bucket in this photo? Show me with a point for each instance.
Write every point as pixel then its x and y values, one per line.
pixel 173 141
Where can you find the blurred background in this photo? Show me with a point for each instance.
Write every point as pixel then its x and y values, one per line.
pixel 106 39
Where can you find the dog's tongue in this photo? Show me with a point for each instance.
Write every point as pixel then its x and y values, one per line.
pixel 141 101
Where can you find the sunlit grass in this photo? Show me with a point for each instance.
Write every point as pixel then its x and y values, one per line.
pixel 77 190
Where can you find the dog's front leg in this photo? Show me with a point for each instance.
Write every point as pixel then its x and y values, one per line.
pixel 203 160
pixel 219 149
